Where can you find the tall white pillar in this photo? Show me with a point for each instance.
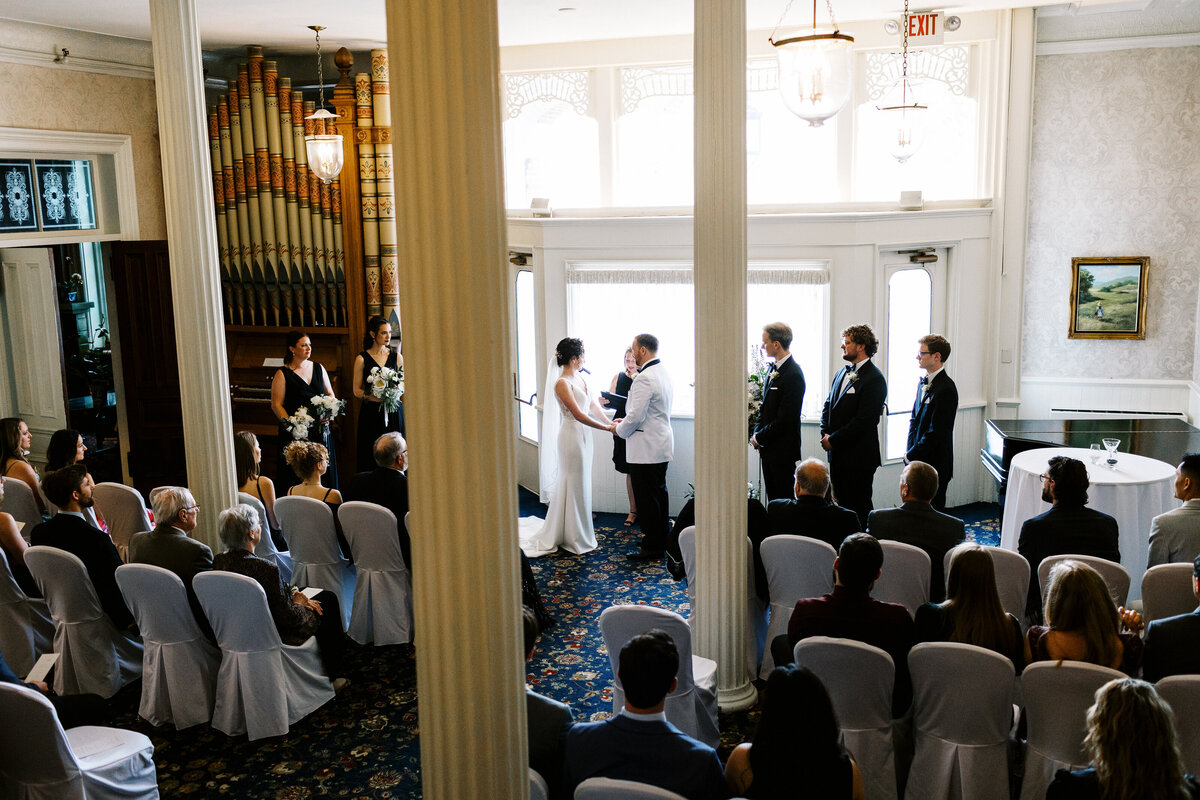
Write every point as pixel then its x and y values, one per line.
pixel 192 244
pixel 454 294
pixel 719 620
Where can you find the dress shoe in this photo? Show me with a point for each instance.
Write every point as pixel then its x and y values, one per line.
pixel 642 555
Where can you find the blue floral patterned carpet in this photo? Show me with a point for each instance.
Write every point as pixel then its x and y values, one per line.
pixel 365 743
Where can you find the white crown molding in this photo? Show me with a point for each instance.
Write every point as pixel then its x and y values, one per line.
pixel 13 55
pixel 1118 43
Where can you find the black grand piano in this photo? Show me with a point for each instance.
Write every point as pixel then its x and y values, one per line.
pixel 1164 439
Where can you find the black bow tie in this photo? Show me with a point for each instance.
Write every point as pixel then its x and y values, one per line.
pixel 924 380
pixel 851 368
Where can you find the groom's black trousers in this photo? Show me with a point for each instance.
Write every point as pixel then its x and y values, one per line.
pixel 650 494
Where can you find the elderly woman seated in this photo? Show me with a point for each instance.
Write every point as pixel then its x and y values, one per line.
pixel 296 616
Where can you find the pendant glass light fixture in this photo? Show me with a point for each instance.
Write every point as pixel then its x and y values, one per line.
pixel 816 70
pixel 324 149
pixel 908 119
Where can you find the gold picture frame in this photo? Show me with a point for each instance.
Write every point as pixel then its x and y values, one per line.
pixel 1108 298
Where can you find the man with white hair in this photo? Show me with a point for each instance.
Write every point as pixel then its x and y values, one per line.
pixel 169 546
pixel 387 485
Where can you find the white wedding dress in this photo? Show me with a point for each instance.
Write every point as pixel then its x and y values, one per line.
pixel 568 522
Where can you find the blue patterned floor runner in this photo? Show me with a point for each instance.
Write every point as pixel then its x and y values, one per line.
pixel 364 744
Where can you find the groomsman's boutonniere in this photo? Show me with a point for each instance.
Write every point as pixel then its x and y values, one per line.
pixel 774 374
pixel 854 376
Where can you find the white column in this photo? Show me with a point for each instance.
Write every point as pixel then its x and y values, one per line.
pixel 192 241
pixel 455 298
pixel 719 620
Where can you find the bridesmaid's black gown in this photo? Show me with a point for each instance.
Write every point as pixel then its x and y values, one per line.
pixel 297 393
pixel 370 415
pixel 622 389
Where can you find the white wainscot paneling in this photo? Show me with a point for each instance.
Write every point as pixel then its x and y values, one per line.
pixel 1044 398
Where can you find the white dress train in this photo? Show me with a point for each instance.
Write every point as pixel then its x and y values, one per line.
pixel 568 522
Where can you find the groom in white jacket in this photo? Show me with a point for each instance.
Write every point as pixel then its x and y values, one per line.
pixel 651 444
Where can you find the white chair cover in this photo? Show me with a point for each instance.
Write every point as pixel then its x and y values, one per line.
pixel 1167 591
pixel 538 790
pixel 179 665
pixel 756 630
pixel 904 578
pixel 962 713
pixel 312 543
pixel 85 763
pixel 1113 573
pixel 18 501
pixel 1182 693
pixel 613 789
pixel 264 686
pixel 692 707
pixel 124 511
pixel 266 545
pixel 797 567
pixel 1012 578
pixel 26 629
pixel 859 679
pixel 93 656
pixel 383 589
pixel 1057 696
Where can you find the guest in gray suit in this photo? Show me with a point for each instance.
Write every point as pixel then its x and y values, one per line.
pixel 916 522
pixel 1175 535
pixel 549 720
pixel 1173 644
pixel 169 546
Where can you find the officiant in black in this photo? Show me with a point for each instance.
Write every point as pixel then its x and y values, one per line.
pixel 614 398
pixel 776 437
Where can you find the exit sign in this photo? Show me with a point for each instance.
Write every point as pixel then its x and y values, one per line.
pixel 925 28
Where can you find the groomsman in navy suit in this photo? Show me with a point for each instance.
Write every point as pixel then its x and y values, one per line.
pixel 777 435
pixel 850 421
pixel 931 429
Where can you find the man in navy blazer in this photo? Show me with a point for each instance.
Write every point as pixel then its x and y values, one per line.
pixel 918 523
pixel 638 744
pixel 1173 644
pixel 931 428
pixel 776 437
pixel 387 485
pixel 1068 527
pixel 850 421
pixel 809 514
pixel 70 488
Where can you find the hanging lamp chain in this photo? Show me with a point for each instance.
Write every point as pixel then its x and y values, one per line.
pixel 788 7
pixel 321 70
pixel 904 57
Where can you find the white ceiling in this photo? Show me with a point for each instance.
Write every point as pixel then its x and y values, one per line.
pixel 359 24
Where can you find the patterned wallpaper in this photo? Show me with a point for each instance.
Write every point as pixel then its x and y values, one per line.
pixel 1115 170
pixel 71 100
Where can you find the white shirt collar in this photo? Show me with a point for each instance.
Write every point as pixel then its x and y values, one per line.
pixel 79 514
pixel 660 716
pixel 932 375
pixel 782 361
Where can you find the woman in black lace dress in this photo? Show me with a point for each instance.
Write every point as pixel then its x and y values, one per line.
pixel 294 385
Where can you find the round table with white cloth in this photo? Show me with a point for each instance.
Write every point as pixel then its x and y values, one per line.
pixel 1135 491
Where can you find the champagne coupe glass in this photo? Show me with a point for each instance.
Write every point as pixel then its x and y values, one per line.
pixel 1096 450
pixel 1111 445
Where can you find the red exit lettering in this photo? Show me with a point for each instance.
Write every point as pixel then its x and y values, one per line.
pixel 922 25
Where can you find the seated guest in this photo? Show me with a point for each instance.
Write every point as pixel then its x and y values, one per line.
pixel 1068 527
pixel 1134 747
pixel 850 613
pixel 310 461
pixel 810 514
pixel 387 485
pixel 756 529
pixel 70 488
pixel 638 744
pixel 247 456
pixel 168 545
pixel 1173 644
pixel 1175 535
pixel 296 616
pixel 73 710
pixel 66 448
pixel 15 441
pixel 795 752
pixel 549 720
pixel 972 613
pixel 916 522
pixel 13 545
pixel 1083 623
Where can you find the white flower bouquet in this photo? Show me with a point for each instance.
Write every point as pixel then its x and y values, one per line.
pixel 299 423
pixel 326 407
pixel 387 384
pixel 755 381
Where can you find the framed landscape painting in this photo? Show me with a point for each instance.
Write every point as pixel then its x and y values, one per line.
pixel 1108 298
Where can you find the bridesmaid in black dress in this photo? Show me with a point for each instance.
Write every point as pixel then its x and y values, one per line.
pixel 376 352
pixel 620 387
pixel 294 384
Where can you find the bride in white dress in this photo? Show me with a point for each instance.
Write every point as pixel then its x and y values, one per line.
pixel 568 485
